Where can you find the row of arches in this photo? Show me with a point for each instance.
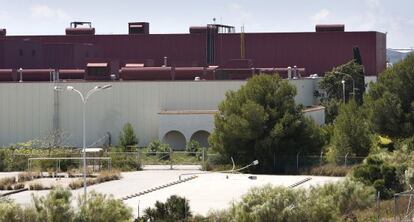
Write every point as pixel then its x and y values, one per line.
pixel 177 140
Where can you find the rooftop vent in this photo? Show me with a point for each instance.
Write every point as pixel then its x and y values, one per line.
pixel 330 28
pixel 138 28
pixel 85 29
pixel 3 32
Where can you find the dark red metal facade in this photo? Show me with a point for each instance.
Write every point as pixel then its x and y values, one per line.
pixel 317 52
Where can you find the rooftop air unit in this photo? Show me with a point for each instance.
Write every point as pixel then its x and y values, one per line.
pixel 330 28
pixel 86 29
pixel 3 32
pixel 138 28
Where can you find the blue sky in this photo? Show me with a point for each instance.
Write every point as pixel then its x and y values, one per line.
pixel 52 17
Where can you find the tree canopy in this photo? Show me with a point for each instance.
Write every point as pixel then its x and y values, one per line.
pixel 352 73
pixel 390 101
pixel 261 120
pixel 351 132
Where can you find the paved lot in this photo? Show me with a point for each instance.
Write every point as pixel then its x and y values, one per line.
pixel 208 191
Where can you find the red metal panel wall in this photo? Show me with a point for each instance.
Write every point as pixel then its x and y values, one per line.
pixel 317 52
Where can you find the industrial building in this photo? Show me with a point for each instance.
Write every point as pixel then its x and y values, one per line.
pixel 153 77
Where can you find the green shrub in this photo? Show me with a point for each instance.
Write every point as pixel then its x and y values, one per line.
pixel 192 146
pixel 174 209
pixel 162 149
pixel 11 212
pixel 382 175
pixel 331 202
pixel 99 207
pixel 127 136
pixel 56 206
pixel 125 162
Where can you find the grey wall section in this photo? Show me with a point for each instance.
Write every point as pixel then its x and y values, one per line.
pixel 27 109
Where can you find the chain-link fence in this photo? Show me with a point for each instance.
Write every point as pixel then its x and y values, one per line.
pixel 404 206
pixel 136 159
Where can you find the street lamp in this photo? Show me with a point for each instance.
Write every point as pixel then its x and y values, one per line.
pixel 84 100
pixel 343 82
pixel 21 75
pixel 343 91
pixel 254 163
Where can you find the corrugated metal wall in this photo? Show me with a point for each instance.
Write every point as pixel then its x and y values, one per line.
pixel 27 109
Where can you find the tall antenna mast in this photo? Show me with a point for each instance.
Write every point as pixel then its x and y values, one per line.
pixel 242 44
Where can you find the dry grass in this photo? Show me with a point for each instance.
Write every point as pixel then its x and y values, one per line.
pixel 27 176
pixel 371 214
pixel 7 183
pixel 37 186
pixel 76 184
pixel 18 186
pixel 328 170
pixel 105 176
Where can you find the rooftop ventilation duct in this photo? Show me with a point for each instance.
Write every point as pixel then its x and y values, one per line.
pixel 138 28
pixel 86 29
pixel 330 28
pixel 3 32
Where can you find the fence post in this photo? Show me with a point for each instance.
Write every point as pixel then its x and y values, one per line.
pixel 138 156
pixel 395 208
pixel 171 159
pixel 378 206
pixel 204 158
pixel 321 159
pixel 346 158
pixel 297 163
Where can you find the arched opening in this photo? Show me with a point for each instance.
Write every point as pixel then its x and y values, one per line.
pixel 175 139
pixel 201 137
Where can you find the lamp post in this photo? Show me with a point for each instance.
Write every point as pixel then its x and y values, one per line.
pixel 84 101
pixel 343 82
pixel 21 75
pixel 254 163
pixel 343 91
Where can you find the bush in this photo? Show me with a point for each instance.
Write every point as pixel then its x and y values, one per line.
pixel 105 176
pixel 56 206
pixel 27 176
pixel 192 146
pixel 174 209
pixel 127 136
pixel 328 170
pixel 11 212
pixel 100 207
pixel 7 182
pixel 382 175
pixel 330 202
pixel 162 149
pixel 37 186
pixel 125 162
pixel 76 184
pixel 18 186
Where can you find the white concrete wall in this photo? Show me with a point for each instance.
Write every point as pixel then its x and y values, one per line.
pixel 26 109
pixel 317 114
